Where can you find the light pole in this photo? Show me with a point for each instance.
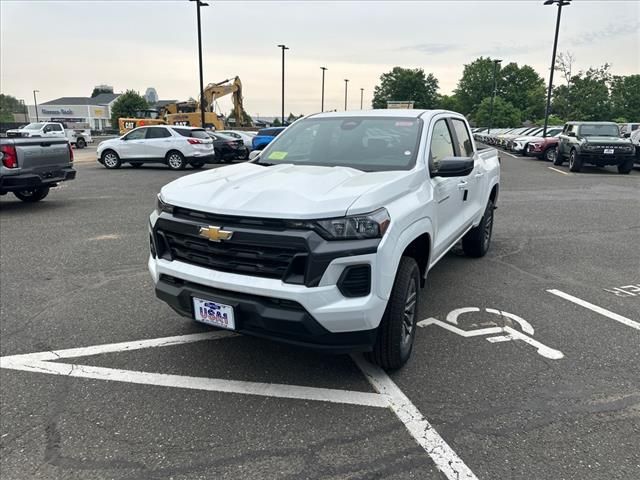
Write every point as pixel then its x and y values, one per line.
pixel 283 47
pixel 560 3
pixel 201 99
pixel 361 97
pixel 36 103
pixel 346 82
pixel 493 97
pixel 324 69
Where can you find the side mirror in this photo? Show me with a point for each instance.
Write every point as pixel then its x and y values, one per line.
pixel 627 135
pixel 254 154
pixel 571 134
pixel 454 167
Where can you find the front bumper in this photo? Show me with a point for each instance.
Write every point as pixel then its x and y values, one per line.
pixel 281 320
pixel 26 181
pixel 601 160
pixel 206 158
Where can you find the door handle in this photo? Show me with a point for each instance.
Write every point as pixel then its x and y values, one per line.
pixel 463 185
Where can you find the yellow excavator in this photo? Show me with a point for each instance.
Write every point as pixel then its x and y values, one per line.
pixel 188 113
pixel 143 117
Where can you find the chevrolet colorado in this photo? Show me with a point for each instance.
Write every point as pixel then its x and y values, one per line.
pixel 325 239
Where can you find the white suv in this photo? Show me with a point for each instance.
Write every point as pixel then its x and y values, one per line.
pixel 172 145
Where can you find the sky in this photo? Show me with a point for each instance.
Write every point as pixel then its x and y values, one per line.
pixel 65 48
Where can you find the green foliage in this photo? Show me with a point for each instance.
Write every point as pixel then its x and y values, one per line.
pixel 504 113
pixel 97 91
pixel 406 84
pixel 277 122
pixel 449 102
pixel 553 120
pixel 523 88
pixel 587 97
pixel 127 105
pixel 246 118
pixel 8 106
pixel 475 84
pixel 625 97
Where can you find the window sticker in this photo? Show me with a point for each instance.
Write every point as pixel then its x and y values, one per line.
pixel 278 155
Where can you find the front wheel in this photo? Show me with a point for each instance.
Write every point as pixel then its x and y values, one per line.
pixel 575 163
pixel 397 330
pixel 550 154
pixel 32 195
pixel 80 143
pixel 176 161
pixel 476 242
pixel 627 166
pixel 110 159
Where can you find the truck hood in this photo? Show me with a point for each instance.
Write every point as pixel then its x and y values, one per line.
pixel 286 191
pixel 608 140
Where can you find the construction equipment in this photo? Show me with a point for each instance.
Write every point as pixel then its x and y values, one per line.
pixel 144 117
pixel 188 113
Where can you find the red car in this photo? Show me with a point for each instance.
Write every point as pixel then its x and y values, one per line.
pixel 543 148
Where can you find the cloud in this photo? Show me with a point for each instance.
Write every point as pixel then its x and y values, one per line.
pixel 431 48
pixel 610 31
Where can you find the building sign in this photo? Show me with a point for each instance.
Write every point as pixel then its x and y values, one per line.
pixel 60 111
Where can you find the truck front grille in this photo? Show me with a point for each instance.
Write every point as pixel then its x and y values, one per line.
pixel 260 259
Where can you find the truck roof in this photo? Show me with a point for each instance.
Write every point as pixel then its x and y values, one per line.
pixel 389 112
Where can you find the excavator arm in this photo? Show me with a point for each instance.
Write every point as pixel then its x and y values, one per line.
pixel 213 91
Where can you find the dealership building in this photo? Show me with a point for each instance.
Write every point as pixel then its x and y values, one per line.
pixel 95 111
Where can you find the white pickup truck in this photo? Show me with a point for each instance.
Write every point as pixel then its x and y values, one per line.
pixel 325 239
pixel 77 134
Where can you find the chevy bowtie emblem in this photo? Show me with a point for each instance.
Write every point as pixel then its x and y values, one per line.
pixel 215 234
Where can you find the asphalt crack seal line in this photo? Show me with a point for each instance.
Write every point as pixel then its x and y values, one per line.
pixel 388 396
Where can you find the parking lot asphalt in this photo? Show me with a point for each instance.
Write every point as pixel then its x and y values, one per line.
pixel 527 363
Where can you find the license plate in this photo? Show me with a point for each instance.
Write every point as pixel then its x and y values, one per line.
pixel 214 313
pixel 608 151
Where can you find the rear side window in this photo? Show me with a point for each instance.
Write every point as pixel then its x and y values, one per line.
pixel 157 132
pixel 465 147
pixel 441 144
pixel 55 127
pixel 193 133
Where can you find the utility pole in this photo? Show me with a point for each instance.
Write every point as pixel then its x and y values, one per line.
pixel 283 47
pixel 324 69
pixel 201 97
pixel 35 100
pixel 493 97
pixel 361 97
pixel 346 82
pixel 560 3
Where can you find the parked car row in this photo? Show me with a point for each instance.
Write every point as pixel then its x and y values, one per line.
pixel 578 143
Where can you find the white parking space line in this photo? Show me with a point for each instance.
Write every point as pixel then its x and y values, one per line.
pixel 556 170
pixel 445 458
pixel 602 311
pixel 510 154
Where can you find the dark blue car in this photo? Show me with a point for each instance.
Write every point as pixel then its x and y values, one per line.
pixel 264 137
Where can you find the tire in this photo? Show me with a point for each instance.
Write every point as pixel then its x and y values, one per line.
pixel 111 160
pixel 175 160
pixel 627 166
pixel 397 330
pixel 32 195
pixel 575 164
pixel 550 154
pixel 477 241
pixel 135 164
pixel 197 165
pixel 80 143
pixel 558 160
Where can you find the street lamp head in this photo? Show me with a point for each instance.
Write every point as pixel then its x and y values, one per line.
pixel 324 68
pixel 560 3
pixel 497 60
pixel 346 79
pixel 284 47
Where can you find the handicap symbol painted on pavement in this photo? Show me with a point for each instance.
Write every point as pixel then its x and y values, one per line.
pixel 498 333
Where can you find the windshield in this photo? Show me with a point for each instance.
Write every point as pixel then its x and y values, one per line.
pixel 34 126
pixel 602 130
pixel 365 143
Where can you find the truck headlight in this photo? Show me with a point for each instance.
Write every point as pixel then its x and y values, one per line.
pixel 369 225
pixel 162 206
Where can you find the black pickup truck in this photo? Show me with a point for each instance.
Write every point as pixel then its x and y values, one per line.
pixel 595 143
pixel 29 167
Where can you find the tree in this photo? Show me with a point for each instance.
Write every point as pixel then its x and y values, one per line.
pixel 524 89
pixel 449 102
pixel 8 106
pixel 406 84
pixel 277 122
pixel 475 84
pixel 98 90
pixel 127 105
pixel 246 118
pixel 504 113
pixel 625 97
pixel 564 65
pixel 587 98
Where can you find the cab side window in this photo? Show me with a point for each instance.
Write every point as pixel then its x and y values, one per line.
pixel 465 147
pixel 441 145
pixel 137 134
